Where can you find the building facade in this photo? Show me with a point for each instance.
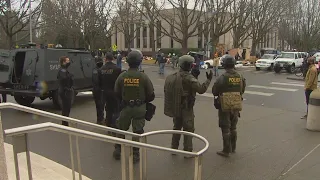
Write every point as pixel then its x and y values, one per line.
pixel 142 39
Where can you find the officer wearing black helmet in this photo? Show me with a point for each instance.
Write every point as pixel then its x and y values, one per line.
pixel 228 90
pixel 109 75
pixel 134 89
pixel 97 90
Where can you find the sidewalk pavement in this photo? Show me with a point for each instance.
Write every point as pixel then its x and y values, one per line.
pixel 42 168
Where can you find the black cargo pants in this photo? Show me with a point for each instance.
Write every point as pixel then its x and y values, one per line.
pixel 99 101
pixel 4 98
pixel 66 98
pixel 112 109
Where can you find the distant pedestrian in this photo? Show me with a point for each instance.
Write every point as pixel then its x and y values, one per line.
pixel 311 81
pixel 119 60
pixel 216 65
pixel 162 63
pixel 4 98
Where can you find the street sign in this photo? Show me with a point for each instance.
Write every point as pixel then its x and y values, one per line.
pixel 114 47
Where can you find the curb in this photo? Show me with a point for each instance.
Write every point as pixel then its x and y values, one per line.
pixel 297 79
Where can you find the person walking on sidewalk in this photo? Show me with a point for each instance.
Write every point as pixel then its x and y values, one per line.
pixel 311 81
pixel 216 65
pixel 162 63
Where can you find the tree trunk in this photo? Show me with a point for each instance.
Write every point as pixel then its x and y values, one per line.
pixel 214 43
pixel 253 48
pixel 10 41
pixel 184 44
pixel 152 41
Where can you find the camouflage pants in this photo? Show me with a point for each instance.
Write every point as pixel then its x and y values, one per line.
pixel 136 117
pixel 185 122
pixel 228 124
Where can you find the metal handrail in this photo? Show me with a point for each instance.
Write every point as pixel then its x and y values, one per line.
pixel 24 131
pixel 17 132
pixel 63 118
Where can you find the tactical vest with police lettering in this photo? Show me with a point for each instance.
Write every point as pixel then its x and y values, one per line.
pixel 232 83
pixel 133 86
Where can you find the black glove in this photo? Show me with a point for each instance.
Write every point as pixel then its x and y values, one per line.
pixel 209 75
pixel 195 73
pixel 150 111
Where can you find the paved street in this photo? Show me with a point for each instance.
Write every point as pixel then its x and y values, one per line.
pixel 272 137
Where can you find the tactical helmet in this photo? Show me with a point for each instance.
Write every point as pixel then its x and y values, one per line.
pixel 134 57
pixel 228 60
pixel 185 62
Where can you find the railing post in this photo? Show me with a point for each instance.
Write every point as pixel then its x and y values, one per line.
pixel 28 157
pixel 3 162
pixel 71 157
pixel 123 162
pixel 131 174
pixel 198 167
pixel 78 158
pixel 143 160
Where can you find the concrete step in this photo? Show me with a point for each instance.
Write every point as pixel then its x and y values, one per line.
pixel 42 168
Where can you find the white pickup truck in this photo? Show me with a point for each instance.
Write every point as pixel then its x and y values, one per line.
pixel 288 61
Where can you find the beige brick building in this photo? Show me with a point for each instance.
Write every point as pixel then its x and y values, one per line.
pixel 142 38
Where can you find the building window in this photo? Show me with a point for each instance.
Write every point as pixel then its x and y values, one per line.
pixel 159 34
pixel 275 40
pixel 171 33
pixel 138 36
pixel 144 36
pixel 116 34
pixel 132 35
pixel 126 40
pixel 200 40
pixel 151 33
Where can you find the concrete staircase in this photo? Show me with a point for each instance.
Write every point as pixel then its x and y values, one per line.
pixel 42 168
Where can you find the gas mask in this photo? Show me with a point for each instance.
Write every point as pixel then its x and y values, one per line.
pixel 99 64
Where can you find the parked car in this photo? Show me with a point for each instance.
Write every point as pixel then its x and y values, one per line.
pixel 288 61
pixel 209 63
pixel 267 61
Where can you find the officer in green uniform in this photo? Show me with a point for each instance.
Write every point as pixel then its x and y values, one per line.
pixel 134 89
pixel 183 116
pixel 229 82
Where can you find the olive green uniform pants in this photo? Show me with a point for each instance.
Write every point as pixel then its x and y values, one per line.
pixel 131 115
pixel 185 122
pixel 228 124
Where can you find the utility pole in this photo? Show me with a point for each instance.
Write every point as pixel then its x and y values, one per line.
pixel 30 21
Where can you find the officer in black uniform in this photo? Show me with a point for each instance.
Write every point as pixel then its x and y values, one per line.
pixel 97 90
pixel 109 75
pixel 65 89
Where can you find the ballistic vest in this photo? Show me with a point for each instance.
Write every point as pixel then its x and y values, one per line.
pixel 232 82
pixel 133 86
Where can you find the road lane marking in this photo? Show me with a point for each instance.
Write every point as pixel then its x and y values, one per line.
pixel 287 84
pixel 246 92
pixel 258 93
pixel 273 88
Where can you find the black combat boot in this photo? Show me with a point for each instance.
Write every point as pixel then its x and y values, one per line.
pixel 117 152
pixel 175 142
pixel 65 123
pixel 136 155
pixel 226 146
pixel 233 139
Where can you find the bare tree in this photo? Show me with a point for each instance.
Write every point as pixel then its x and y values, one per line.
pixel 221 17
pixel 128 21
pixel 15 20
pixel 301 26
pixel 241 31
pixel 97 17
pixel 264 17
pixel 184 21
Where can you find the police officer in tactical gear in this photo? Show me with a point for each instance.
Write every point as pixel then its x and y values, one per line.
pixel 97 90
pixel 109 75
pixel 134 89
pixel 180 91
pixel 228 89
pixel 65 89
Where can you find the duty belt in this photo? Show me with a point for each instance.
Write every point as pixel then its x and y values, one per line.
pixel 133 103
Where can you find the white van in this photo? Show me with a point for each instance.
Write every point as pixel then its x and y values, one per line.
pixel 288 61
